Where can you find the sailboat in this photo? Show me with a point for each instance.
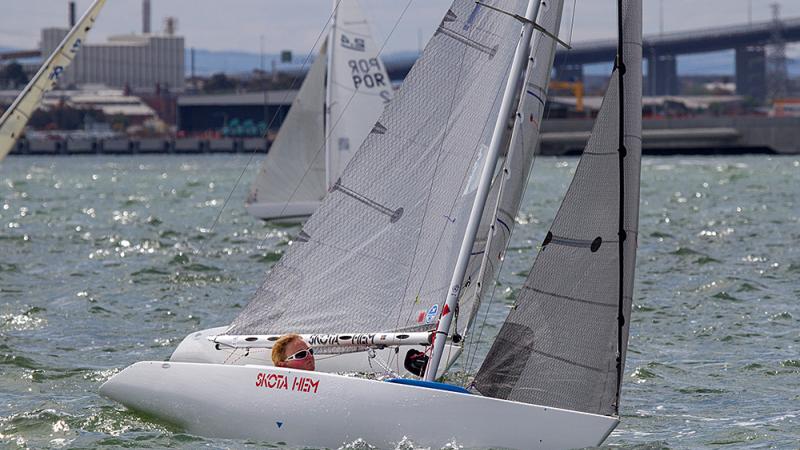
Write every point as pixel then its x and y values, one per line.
pixel 13 121
pixel 343 94
pixel 221 345
pixel 552 377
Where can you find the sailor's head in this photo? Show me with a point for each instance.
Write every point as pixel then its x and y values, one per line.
pixel 292 351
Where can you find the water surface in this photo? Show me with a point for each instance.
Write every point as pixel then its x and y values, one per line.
pixel 110 260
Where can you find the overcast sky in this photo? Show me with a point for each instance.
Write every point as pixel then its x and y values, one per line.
pixel 295 24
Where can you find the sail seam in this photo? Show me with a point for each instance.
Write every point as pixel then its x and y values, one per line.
pixel 566 297
pixel 615 153
pixel 573 363
pixel 491 51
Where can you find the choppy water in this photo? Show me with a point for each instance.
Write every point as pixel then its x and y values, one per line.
pixel 105 261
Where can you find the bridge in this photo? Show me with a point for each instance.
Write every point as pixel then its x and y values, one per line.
pixel 661 51
pixel 748 41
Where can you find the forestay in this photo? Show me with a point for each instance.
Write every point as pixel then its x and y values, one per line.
pixel 294 168
pixel 510 183
pixel 558 346
pixel 13 121
pixel 358 86
pixel 379 252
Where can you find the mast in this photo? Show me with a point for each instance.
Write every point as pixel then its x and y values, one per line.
pixel 484 185
pixel 327 121
pixel 620 63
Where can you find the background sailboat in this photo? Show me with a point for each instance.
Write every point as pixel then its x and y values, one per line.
pixel 589 268
pixel 343 93
pixel 13 121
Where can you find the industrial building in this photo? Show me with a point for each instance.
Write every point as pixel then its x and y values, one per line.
pixel 142 62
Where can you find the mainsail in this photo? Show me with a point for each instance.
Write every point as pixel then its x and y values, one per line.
pixel 294 168
pixel 497 222
pixel 13 121
pixel 558 346
pixel 343 94
pixel 379 252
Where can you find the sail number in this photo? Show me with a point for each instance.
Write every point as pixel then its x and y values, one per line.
pixel 366 73
pixel 57 70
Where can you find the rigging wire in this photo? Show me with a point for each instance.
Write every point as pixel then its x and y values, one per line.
pixel 473 342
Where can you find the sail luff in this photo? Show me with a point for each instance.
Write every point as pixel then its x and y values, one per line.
pixel 16 117
pixel 558 347
pixel 621 69
pixel 327 87
pixel 484 185
pixel 631 46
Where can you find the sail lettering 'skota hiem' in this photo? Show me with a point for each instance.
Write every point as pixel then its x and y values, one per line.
pixel 558 346
pixel 497 222
pixel 359 270
pixel 16 117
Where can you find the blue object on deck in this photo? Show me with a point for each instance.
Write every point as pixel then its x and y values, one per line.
pixel 429 385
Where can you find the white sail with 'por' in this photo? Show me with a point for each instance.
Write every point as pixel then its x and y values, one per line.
pixel 380 251
pixel 559 345
pixel 343 94
pixel 13 121
pixel 358 86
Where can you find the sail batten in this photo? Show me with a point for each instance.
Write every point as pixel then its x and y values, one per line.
pixel 559 344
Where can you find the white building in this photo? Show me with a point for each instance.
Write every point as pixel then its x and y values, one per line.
pixel 140 62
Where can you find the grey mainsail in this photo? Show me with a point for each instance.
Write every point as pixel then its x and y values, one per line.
pixel 558 345
pixel 379 252
pixel 497 222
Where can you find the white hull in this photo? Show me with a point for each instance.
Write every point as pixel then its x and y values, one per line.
pixel 325 410
pixel 197 348
pixel 282 211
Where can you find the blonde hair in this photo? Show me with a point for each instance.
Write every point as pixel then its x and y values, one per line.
pixel 279 349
